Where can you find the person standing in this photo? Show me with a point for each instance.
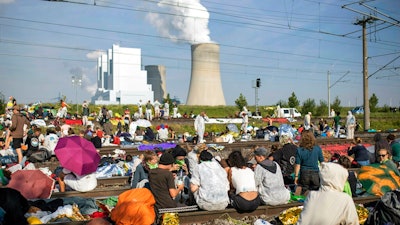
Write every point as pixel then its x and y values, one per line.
pixel 306 169
pixel 62 111
pixel 336 124
pixel 156 105
pixel 166 110
pixel 18 121
pixel 9 107
pixel 175 110
pixel 332 113
pixel 149 111
pixel 350 125
pixel 245 120
pixel 140 109
pixel 85 113
pixel 307 121
pixel 200 126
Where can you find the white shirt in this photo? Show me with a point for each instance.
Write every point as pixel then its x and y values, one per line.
pixel 163 133
pixel 80 183
pixel 50 142
pixel 243 180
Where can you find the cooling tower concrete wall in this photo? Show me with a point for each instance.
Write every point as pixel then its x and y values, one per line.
pixel 205 82
pixel 156 77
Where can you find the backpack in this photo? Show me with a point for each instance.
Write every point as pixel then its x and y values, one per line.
pixel 40 155
pixel 387 210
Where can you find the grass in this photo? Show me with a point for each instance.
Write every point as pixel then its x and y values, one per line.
pixel 379 120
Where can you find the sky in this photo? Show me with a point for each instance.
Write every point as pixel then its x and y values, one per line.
pixel 292 46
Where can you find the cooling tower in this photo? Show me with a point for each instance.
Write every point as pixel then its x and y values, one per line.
pixel 205 82
pixel 156 77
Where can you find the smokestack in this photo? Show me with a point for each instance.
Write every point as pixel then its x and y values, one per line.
pixel 205 82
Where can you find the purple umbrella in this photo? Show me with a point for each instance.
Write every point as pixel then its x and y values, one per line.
pixel 77 155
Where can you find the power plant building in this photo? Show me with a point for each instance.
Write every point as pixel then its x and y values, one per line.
pixel 120 79
pixel 156 77
pixel 205 82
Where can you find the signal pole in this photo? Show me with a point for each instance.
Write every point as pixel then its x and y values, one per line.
pixel 258 84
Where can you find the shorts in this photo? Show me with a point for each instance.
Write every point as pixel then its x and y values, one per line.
pixel 243 205
pixel 17 142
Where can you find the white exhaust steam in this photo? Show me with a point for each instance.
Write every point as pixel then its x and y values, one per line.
pixel 182 21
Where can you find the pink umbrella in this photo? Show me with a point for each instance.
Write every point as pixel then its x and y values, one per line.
pixel 32 183
pixel 77 155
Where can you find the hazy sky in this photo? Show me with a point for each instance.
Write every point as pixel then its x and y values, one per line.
pixel 290 45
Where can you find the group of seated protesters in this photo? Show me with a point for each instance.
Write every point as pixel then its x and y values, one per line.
pixel 180 177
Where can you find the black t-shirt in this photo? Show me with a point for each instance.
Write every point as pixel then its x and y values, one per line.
pixel 286 157
pixel 160 182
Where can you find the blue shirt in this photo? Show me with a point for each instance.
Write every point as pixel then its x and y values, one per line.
pixel 308 159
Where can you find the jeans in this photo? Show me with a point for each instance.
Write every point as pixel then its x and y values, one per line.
pixel 363 163
pixel 309 180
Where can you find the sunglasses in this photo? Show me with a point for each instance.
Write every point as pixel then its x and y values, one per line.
pixel 382 155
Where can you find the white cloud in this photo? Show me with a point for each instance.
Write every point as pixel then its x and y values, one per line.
pixel 94 54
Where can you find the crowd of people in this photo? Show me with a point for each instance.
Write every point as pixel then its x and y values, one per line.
pixel 181 176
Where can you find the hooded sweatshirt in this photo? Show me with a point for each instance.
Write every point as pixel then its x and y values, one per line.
pixel 269 183
pixel 329 205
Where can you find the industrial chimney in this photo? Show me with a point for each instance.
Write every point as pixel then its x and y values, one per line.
pixel 205 82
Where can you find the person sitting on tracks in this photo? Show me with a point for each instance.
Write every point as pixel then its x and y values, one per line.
pixel 285 157
pixel 209 184
pixel 162 183
pixel 141 175
pixel 243 195
pixel 269 179
pixel 360 152
pixel 329 205
pixel 75 182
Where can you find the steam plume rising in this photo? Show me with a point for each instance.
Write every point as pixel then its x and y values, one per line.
pixel 182 21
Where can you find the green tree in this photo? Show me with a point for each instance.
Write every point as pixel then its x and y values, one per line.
pixel 308 106
pixel 336 104
pixel 293 102
pixel 322 109
pixel 241 101
pixel 167 99
pixel 373 102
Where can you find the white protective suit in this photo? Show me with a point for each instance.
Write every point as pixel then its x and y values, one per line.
pixel 213 185
pixel 329 205
pixel 200 127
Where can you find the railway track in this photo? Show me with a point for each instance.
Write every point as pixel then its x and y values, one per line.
pixel 201 216
pixel 244 146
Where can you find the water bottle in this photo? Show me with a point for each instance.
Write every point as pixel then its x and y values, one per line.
pixel 180 177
